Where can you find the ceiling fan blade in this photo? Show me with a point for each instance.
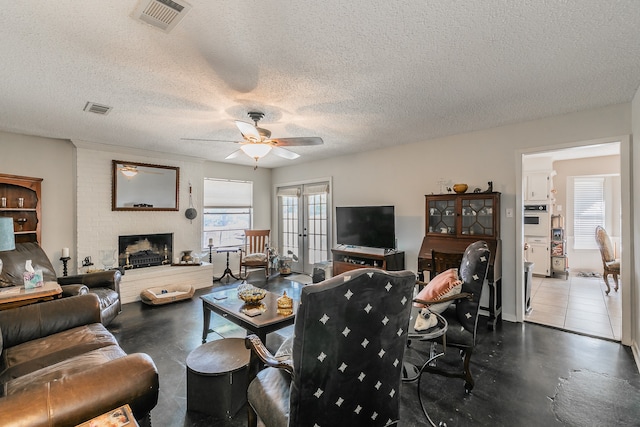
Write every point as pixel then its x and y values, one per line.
pixel 291 142
pixel 248 131
pixel 284 153
pixel 234 155
pixel 206 140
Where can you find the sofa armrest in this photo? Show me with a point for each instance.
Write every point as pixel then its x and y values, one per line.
pixel 34 321
pixel 73 290
pixel 76 398
pixel 100 279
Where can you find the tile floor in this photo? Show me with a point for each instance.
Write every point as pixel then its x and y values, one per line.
pixel 578 304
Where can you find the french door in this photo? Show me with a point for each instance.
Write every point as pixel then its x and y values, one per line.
pixel 304 224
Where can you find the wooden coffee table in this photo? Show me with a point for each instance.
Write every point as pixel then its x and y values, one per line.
pixel 227 304
pixel 17 296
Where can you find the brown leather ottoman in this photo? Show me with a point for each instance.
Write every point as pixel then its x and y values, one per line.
pixel 217 377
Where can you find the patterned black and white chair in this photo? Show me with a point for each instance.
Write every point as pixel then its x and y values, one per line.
pixel 462 316
pixel 343 364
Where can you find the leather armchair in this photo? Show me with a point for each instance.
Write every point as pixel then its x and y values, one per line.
pixel 346 353
pixel 105 284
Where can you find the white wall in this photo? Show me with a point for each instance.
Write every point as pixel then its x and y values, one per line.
pixel 52 160
pixel 404 174
pixel 98 226
pixel 633 299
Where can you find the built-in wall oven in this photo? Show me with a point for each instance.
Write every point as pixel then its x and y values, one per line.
pixel 537 220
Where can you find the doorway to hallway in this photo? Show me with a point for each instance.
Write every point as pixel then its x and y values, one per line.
pixel 576 301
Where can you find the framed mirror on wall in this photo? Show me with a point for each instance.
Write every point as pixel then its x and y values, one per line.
pixel 144 187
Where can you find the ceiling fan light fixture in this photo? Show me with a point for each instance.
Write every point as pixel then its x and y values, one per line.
pixel 256 151
pixel 129 172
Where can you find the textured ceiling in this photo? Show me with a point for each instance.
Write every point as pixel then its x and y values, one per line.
pixel 360 74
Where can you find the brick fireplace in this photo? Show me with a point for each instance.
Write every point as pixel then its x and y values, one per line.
pixel 145 250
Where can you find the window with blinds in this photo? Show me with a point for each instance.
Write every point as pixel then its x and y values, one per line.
pixel 227 212
pixel 588 210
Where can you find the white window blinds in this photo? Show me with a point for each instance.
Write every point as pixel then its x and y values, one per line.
pixel 588 210
pixel 227 194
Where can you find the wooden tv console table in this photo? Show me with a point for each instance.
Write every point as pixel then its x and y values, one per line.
pixel 347 259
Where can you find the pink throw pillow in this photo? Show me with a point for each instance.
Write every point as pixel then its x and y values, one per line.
pixel 443 285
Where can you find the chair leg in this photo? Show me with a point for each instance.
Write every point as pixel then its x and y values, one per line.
pixel 252 417
pixel 468 379
pixel 605 276
pixel 615 279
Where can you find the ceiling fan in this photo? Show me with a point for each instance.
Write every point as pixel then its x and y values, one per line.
pixel 258 142
pixel 131 170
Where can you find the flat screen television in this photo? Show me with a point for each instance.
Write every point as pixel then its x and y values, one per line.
pixel 370 226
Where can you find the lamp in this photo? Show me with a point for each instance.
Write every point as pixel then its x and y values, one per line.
pixel 256 150
pixel 7 238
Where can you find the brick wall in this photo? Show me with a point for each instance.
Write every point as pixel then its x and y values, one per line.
pixel 98 227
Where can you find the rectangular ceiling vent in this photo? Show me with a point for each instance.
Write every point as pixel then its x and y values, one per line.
pixel 92 107
pixel 163 14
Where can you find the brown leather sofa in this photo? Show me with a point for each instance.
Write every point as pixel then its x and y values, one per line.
pixel 60 366
pixel 105 284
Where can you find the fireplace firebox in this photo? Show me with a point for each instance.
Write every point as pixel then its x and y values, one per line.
pixel 145 250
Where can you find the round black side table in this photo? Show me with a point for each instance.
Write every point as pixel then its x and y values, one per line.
pixel 217 377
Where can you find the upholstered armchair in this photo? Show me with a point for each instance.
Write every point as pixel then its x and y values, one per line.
pixel 343 364
pixel 462 314
pixel 105 284
pixel 610 264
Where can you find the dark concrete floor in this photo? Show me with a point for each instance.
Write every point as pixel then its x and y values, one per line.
pixel 518 369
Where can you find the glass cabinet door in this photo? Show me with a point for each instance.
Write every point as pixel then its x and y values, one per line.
pixel 477 217
pixel 442 216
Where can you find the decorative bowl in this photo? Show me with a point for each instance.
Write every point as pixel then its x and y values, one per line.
pixel 250 294
pixel 460 188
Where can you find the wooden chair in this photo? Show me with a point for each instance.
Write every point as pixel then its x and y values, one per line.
pixel 610 263
pixel 442 261
pixel 255 254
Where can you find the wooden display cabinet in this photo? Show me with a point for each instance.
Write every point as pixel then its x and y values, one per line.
pixel 348 259
pixel 453 222
pixel 26 218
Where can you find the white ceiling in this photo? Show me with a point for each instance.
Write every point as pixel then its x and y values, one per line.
pixel 360 74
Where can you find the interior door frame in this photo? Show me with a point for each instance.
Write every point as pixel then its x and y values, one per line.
pixel 626 255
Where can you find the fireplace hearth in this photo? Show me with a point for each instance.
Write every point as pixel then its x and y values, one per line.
pixel 145 250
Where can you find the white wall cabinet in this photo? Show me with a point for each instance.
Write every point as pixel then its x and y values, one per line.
pixel 538 253
pixel 538 186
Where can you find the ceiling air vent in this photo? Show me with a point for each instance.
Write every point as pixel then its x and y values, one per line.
pixel 92 107
pixel 163 14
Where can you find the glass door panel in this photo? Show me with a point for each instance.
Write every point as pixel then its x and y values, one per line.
pixel 442 216
pixel 304 225
pixel 477 216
